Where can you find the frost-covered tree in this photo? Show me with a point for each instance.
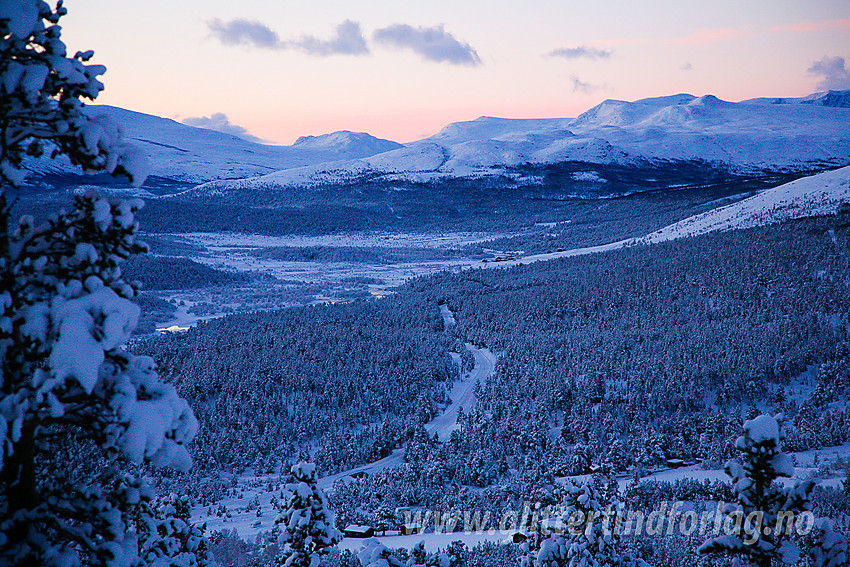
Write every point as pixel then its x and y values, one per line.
pixel 76 408
pixel 77 412
pixel 41 98
pixel 307 523
pixel 760 500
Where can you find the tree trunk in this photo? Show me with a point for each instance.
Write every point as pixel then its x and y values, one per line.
pixel 18 483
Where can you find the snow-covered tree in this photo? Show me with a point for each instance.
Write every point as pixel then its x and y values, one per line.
pixel 829 547
pixel 76 408
pixel 760 499
pixel 41 98
pixel 168 538
pixel 373 553
pixel 77 412
pixel 590 534
pixel 307 523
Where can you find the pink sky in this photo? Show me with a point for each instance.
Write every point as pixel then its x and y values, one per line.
pixel 403 71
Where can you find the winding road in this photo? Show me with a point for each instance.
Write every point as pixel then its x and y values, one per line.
pixel 462 395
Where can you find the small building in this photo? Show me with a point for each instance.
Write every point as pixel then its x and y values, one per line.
pixel 411 529
pixel 519 537
pixel 359 474
pixel 675 463
pixel 354 530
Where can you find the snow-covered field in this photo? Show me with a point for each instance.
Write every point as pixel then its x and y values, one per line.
pixel 818 194
pixel 320 281
pixel 232 241
pixel 235 252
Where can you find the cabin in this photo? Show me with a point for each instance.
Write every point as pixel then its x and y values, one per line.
pixel 410 529
pixel 518 537
pixel 357 531
pixel 675 463
pixel 359 474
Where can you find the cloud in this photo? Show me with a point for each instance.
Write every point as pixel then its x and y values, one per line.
pixel 580 86
pixel 580 52
pixel 244 32
pixel 348 40
pixel 434 43
pixel 834 75
pixel 221 123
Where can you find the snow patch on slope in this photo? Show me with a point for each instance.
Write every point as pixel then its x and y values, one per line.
pixel 820 194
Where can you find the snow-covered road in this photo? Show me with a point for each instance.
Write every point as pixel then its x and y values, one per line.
pixel 463 393
pixel 248 523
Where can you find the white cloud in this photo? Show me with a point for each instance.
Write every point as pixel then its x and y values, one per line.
pixel 348 39
pixel 834 75
pixel 580 52
pixel 434 43
pixel 221 123
pixel 580 86
pixel 244 32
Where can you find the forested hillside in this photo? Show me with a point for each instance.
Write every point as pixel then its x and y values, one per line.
pixel 635 356
pixel 623 359
pixel 344 382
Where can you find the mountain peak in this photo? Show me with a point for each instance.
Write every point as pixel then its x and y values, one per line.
pixel 359 144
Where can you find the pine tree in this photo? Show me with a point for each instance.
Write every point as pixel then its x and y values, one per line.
pixel 375 554
pixel 590 534
pixel 77 412
pixel 166 535
pixel 41 107
pixel 77 409
pixel 760 498
pixel 829 547
pixel 307 523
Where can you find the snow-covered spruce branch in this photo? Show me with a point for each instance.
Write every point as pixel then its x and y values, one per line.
pixel 42 98
pixel 77 412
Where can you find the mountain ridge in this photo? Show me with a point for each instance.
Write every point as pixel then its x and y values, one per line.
pixel 194 155
pixel 749 137
pixel 740 137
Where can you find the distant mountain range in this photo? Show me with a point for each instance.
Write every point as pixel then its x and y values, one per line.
pixel 193 155
pixel 749 137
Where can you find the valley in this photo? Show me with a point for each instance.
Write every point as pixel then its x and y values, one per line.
pixel 496 315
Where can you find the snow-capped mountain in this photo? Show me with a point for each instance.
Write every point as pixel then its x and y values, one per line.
pixel 820 194
pixel 744 137
pixel 194 155
pixel 839 99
